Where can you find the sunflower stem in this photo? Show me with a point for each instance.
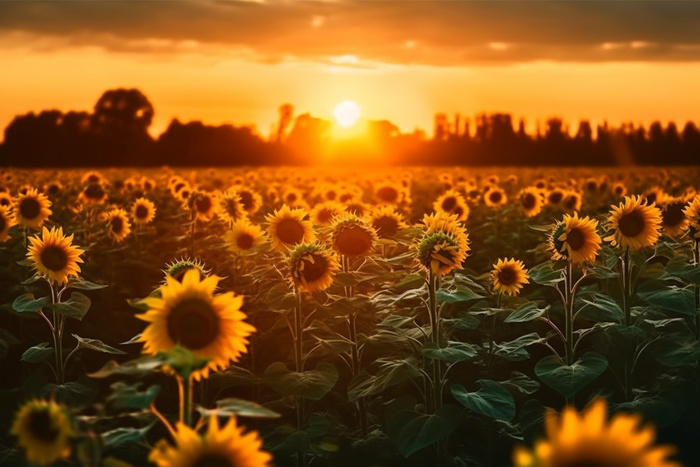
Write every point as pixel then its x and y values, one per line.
pixel 569 315
pixel 57 332
pixel 626 299
pixel 696 261
pixel 299 367
pixel 187 400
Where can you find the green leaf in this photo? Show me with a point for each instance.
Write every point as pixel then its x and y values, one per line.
pixel 674 351
pixel 412 431
pixel 137 303
pixel 602 272
pixel 140 366
pixel 183 361
pixel 120 436
pixel 73 393
pixel 464 321
pixel 492 400
pixel 396 321
pixel 515 350
pixel 134 340
pixel 27 302
pixel 409 282
pixel 82 284
pixel 526 312
pixel 391 372
pixel 569 380
pixel 680 267
pixel 668 298
pixel 98 345
pixel 244 408
pixel 521 382
pixel 454 352
pixel 75 307
pixel 280 298
pixel 312 384
pixel 545 274
pixel 38 353
pixel 600 307
pixel 128 396
pixel 31 280
pixel 460 294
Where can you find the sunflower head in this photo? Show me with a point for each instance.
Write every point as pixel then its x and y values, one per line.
pixel 92 176
pixel 633 224
pixel 312 267
pixel 53 188
pixel 495 197
pixel 441 253
pixel 244 236
pixel 44 430
pixel 143 211
pixel 531 201
pixel 571 201
pixel 619 189
pixel 323 213
pixel 203 205
pixel 191 315
pixel 231 207
pixel 673 219
pixel 53 255
pixel 118 224
pixel 387 222
pixel 692 214
pixel 250 200
pixel 94 193
pixel 178 268
pixel 575 239
pixel 353 236
pixel 7 221
pixel 293 197
pixel 288 227
pixel 555 196
pixel 227 446
pixel 388 193
pixel 588 439
pixel 6 199
pixel 508 276
pixel 31 209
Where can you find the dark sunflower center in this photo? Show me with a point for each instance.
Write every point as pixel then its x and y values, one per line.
pixel 54 258
pixel 353 241
pixel 4 201
pixel 651 197
pixel 213 459
pixel 495 197
pixel 331 195
pixel 576 239
pixel 94 191
pixel 291 197
pixel 459 210
pixel 316 270
pixel 178 186
pixel 570 202
pixel 52 189
pixel 193 324
pixel 29 208
pixel 345 197
pixel 555 197
pixel 449 203
pixel 592 186
pixel 386 227
pixel 356 209
pixel 141 211
pixel 117 224
pixel 290 231
pixel 244 241
pixel 41 427
pixel 92 178
pixel 673 215
pixel 246 199
pixel 147 185
pixel 388 193
pixel 632 223
pixel 474 194
pixel 619 190
pixel 507 275
pixel 203 204
pixel 529 201
pixel 325 215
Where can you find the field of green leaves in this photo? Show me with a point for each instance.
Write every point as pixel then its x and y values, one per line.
pixel 300 316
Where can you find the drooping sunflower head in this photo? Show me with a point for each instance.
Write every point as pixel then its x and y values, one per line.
pixel 312 267
pixel 323 213
pixel 220 447
pixel 203 205
pixel 571 201
pixel 531 201
pixel 244 236
pixel 288 227
pixel 353 236
pixel 178 268
pixel 633 224
pixel 118 225
pixel 673 219
pixel 191 315
pixel 7 220
pixel 589 439
pixel 387 222
pixel 692 214
pixel 231 207
pixel 440 252
pixel 495 197
pixel 31 209
pixel 143 211
pixel 452 202
pixel 250 199
pixel 508 276
pixel 53 255
pixel 575 239
pixel 94 193
pixel 44 431
pixel 440 222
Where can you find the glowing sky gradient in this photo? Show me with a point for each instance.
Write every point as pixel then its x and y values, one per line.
pixel 233 61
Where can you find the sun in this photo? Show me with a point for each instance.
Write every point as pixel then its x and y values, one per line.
pixel 347 113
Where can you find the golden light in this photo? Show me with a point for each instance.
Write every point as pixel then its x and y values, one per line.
pixel 347 113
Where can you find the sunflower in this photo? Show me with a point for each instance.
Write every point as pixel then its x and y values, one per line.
pixel 575 239
pixel 44 430
pixel 454 203
pixel 7 220
pixel 203 205
pixel 353 236
pixel 288 228
pixel 118 224
pixel 387 222
pixel 634 224
pixel 244 236
pixel 147 184
pixel 531 201
pixel 653 195
pixel 440 222
pixel 31 209
pixel 619 189
pixel 388 193
pixel 53 188
pixel 227 446
pixel 143 211
pixel 508 276
pixel 294 198
pixel 587 439
pixel 444 245
pixel 92 176
pixel 692 214
pixel 94 193
pixel 357 208
pixel 571 201
pixel 495 197
pixel 54 256
pixel 555 196
pixel 312 267
pixel 6 199
pixel 189 314
pixel 673 218
pixel 250 199
pixel 323 213
pixel 178 268
pixel 231 207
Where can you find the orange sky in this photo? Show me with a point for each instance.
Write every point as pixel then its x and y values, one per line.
pixel 402 61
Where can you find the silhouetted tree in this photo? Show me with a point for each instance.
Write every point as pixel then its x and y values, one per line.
pixel 286 111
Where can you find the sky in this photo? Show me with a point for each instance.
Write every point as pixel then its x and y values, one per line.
pixel 238 61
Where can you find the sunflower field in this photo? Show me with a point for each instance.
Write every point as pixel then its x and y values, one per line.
pixel 403 317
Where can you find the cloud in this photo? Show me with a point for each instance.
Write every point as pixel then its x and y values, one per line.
pixel 436 32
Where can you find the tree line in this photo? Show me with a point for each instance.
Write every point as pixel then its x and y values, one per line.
pixel 116 133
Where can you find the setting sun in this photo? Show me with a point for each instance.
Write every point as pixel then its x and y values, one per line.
pixel 347 113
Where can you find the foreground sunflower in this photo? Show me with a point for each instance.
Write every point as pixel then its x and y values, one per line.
pixel 244 236
pixel 44 430
pixel 508 276
pixel 288 227
pixel 692 214
pixel 588 439
pixel 444 246
pixel 189 314
pixel 575 239
pixel 353 236
pixel 53 255
pixel 226 447
pixel 312 267
pixel 634 224
pixel 143 211
pixel 178 268
pixel 118 224
pixel 7 220
pixel 31 209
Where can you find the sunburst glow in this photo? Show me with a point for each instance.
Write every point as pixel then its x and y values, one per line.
pixel 347 113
